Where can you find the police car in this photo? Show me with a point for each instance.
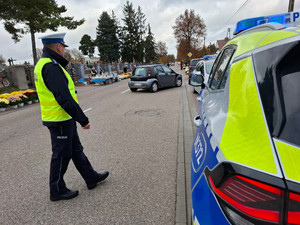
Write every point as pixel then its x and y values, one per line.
pixel 245 166
pixel 203 68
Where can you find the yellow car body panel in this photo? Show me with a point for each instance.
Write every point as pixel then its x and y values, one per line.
pixel 245 122
pixel 290 158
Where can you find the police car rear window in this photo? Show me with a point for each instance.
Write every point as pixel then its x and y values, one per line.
pixel 278 75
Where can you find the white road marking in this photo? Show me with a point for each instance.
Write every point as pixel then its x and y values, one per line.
pixel 125 91
pixel 87 110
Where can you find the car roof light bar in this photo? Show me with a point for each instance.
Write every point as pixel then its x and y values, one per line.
pixel 206 57
pixel 286 19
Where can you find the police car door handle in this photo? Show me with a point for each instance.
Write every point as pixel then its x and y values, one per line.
pixel 197 121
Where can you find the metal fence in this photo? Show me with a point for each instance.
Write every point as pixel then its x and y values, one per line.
pixel 84 70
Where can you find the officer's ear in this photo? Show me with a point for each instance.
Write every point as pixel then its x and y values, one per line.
pixel 60 49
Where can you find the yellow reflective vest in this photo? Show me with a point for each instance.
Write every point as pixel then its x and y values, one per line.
pixel 50 109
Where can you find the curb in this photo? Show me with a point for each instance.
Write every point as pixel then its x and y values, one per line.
pixel 185 141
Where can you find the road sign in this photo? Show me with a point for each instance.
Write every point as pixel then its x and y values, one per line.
pixel 190 54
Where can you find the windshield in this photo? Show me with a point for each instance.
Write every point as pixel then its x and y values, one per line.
pixel 140 72
pixel 208 66
pixel 278 76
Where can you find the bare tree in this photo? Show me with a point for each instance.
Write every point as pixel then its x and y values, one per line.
pixel 162 49
pixel 74 56
pixel 2 59
pixel 188 30
pixel 162 52
pixel 39 53
pixel 67 55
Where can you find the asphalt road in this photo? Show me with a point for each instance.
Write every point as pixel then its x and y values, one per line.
pixel 132 135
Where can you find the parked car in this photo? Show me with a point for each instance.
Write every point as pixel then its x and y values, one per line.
pixel 192 65
pixel 153 77
pixel 202 68
pixel 245 159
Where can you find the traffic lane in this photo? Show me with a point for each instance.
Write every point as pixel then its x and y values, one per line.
pixel 134 135
pixel 138 135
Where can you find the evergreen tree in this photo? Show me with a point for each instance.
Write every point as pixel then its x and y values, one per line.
pixel 150 47
pixel 129 33
pixel 87 45
pixel 116 44
pixel 31 16
pixel 107 40
pixel 140 40
pixel 212 48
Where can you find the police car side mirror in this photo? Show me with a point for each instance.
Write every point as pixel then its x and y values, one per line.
pixel 196 81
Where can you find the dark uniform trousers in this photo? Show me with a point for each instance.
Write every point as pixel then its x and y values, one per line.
pixel 66 146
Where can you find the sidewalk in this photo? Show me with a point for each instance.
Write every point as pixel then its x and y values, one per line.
pixel 185 141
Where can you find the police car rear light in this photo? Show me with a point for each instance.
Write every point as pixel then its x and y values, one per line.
pixel 250 199
pixel 294 209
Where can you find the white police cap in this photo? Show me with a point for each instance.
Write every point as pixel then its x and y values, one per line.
pixel 54 38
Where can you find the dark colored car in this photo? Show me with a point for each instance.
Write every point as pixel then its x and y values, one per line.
pixel 192 66
pixel 153 77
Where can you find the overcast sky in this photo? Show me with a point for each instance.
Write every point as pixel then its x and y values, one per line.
pixel 218 15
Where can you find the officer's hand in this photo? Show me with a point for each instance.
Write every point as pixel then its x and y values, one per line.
pixel 86 126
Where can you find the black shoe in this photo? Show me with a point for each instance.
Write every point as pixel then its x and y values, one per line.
pixel 101 177
pixel 65 196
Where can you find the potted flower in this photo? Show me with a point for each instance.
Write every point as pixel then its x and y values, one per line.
pixel 32 96
pixel 23 99
pixel 4 103
pixel 30 99
pixel 13 101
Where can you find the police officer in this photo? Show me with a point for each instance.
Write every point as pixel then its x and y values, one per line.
pixel 60 112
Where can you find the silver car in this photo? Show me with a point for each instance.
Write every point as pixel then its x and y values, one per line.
pixel 202 68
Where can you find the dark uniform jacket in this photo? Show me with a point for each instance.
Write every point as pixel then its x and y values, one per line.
pixel 56 81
